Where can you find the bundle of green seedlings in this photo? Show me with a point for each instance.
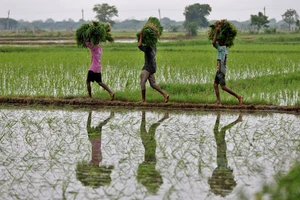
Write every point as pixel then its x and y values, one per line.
pixel 95 32
pixel 226 33
pixel 152 31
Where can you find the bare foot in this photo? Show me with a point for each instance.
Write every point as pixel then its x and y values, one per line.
pixel 112 96
pixel 166 98
pixel 142 101
pixel 240 100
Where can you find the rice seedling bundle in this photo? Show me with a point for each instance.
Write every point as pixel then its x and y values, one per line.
pixel 152 31
pixel 96 31
pixel 226 33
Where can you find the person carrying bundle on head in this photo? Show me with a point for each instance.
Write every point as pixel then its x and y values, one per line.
pixel 147 44
pixel 222 47
pixel 89 36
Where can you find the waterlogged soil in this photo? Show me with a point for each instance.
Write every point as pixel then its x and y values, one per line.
pixel 142 154
pixel 97 103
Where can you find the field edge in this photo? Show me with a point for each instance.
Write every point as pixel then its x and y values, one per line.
pixel 97 103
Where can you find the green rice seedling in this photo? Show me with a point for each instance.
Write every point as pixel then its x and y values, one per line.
pixel 186 70
pixel 152 31
pixel 81 35
pixel 95 31
pixel 109 36
pixel 286 185
pixel 227 32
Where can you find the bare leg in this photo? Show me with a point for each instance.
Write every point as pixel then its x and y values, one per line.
pixel 153 84
pixel 88 84
pixel 240 98
pixel 143 96
pixel 166 96
pixel 112 95
pixel 217 93
pixel 144 76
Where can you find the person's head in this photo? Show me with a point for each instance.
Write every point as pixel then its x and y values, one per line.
pixel 221 43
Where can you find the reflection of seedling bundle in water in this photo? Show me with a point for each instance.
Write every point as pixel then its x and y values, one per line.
pixel 93 175
pixel 96 31
pixel 222 181
pixel 226 33
pixel 152 31
pixel 149 176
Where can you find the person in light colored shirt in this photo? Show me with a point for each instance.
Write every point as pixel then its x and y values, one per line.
pixel 221 69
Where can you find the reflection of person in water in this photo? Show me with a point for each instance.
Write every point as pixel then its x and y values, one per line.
pixel 147 174
pixel 222 181
pixel 91 174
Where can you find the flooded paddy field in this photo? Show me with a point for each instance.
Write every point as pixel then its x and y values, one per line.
pixel 142 154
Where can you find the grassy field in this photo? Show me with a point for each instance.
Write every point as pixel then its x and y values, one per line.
pixel 264 69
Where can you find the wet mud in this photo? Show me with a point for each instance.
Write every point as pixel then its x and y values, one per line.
pixel 97 103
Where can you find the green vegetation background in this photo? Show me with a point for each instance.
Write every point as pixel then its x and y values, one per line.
pixel 264 69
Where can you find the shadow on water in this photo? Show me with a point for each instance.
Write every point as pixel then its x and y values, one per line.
pixel 93 174
pixel 222 180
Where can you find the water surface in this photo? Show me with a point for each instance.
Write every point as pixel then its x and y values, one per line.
pixel 140 154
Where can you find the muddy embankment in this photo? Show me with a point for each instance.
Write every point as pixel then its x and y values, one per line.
pixel 97 103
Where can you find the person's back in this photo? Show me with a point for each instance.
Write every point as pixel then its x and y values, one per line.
pixel 96 57
pixel 94 72
pixel 221 56
pixel 226 56
pixel 149 69
pixel 221 69
pixel 150 58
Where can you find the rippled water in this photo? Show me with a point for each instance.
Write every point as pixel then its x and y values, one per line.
pixel 140 154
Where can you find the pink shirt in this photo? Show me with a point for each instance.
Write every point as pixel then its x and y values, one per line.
pixel 96 150
pixel 96 57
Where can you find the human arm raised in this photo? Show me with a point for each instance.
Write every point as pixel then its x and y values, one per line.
pixel 214 41
pixel 141 39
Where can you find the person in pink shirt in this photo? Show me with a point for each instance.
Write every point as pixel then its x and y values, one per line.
pixel 94 72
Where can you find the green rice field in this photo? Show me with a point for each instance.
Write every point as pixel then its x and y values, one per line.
pixel 262 70
pixel 113 152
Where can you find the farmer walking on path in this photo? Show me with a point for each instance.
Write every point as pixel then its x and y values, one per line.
pixel 94 72
pixel 221 68
pixel 149 69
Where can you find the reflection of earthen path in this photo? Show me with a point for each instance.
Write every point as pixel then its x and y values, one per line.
pixel 86 102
